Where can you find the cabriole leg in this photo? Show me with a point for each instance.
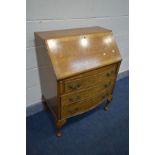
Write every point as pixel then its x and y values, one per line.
pixel 59 125
pixel 109 99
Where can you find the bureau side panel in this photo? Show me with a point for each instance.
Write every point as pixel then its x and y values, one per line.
pixel 47 77
pixel 116 72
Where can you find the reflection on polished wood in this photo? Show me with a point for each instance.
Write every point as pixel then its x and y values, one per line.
pixel 84 63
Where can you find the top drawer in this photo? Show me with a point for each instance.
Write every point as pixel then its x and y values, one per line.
pixel 88 79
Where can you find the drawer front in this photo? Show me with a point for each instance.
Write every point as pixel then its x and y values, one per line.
pixel 83 106
pixel 90 80
pixel 86 93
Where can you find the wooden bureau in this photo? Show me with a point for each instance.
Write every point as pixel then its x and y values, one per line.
pixel 81 71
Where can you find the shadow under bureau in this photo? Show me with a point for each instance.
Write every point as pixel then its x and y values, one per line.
pixel 78 70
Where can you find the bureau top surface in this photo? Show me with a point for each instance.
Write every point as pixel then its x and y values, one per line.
pixel 74 51
pixel 71 32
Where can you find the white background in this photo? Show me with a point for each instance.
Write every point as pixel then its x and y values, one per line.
pixel 13 78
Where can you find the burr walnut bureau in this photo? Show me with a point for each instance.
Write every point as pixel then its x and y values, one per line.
pixel 80 72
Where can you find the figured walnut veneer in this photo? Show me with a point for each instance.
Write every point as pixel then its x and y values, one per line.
pixel 82 69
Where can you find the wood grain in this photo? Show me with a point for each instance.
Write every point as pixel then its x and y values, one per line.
pixel 88 79
pixel 70 56
pixel 86 93
pixel 84 106
pixel 84 64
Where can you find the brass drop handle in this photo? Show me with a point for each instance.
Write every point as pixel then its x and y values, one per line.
pixel 108 74
pixel 105 86
pixel 73 111
pixel 74 99
pixel 74 86
pixel 77 86
pixel 103 97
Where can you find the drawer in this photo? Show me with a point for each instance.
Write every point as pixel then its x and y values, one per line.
pixel 92 78
pixel 83 106
pixel 86 93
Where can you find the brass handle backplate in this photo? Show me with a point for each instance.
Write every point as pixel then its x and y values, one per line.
pixel 107 85
pixel 108 74
pixel 74 86
pixel 73 111
pixel 74 99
